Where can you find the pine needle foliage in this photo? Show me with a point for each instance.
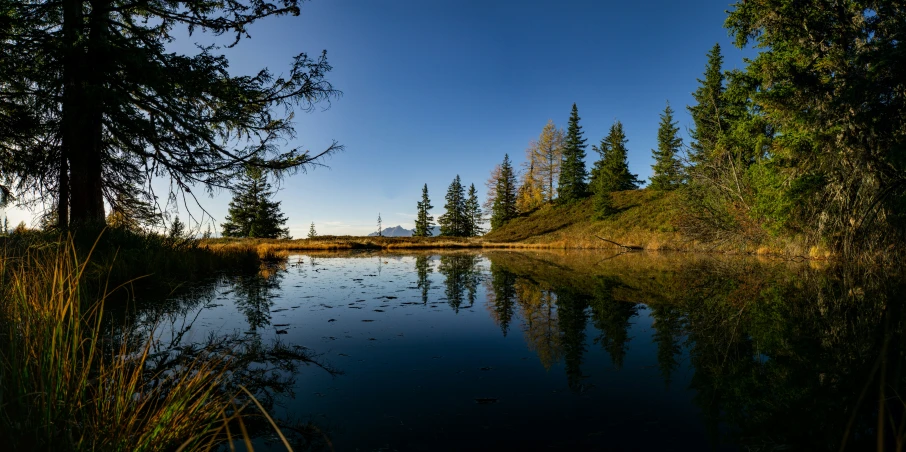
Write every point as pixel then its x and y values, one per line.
pixel 708 113
pixel 668 171
pixel 504 208
pixel 455 222
pixel 474 215
pixel 252 213
pixel 424 222
pixel 112 106
pixel 611 172
pixel 572 185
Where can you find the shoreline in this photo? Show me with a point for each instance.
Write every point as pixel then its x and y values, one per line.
pixel 282 247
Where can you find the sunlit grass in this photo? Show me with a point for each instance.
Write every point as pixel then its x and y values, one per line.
pixel 644 218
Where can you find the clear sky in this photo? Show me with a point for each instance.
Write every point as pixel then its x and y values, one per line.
pixel 432 89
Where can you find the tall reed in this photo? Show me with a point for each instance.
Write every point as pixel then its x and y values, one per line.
pixel 67 382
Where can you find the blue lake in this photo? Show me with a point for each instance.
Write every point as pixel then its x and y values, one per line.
pixel 561 351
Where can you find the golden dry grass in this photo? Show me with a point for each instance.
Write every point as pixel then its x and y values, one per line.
pixel 68 383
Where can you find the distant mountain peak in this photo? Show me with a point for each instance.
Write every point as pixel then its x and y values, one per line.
pixel 399 231
pixel 393 231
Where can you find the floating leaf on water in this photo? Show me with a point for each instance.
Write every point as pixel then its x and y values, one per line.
pixel 281 332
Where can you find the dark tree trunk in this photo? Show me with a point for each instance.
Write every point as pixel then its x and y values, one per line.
pixel 83 112
pixel 72 18
pixel 63 195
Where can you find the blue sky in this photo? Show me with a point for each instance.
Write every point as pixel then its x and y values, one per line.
pixel 432 89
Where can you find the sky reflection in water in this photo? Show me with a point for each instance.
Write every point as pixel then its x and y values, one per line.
pixel 557 350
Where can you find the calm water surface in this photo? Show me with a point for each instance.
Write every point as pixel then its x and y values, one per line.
pixel 568 351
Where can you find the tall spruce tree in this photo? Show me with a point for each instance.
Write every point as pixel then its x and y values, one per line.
pixel 114 107
pixel 311 231
pixel 708 114
pixel 453 222
pixel 504 208
pixel 474 216
pixel 668 172
pixel 380 228
pixel 572 185
pixel 252 213
pixel 611 171
pixel 424 222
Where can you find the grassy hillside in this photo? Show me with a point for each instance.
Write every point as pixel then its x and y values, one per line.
pixel 644 218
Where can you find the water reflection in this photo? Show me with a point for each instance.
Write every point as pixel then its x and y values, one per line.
pixel 265 366
pixel 746 354
pixel 254 296
pixel 771 346
pixel 422 270
pixel 461 278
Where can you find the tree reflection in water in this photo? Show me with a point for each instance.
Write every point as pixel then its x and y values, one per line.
pixel 502 297
pixel 782 356
pixel 254 294
pixel 266 368
pixel 461 278
pixel 422 271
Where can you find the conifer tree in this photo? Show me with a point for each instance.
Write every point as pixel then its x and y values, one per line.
pixel 116 107
pixel 611 171
pixel 453 222
pixel 708 113
pixel 474 217
pixel 572 185
pixel 424 222
pixel 380 230
pixel 252 213
pixel 667 168
pixel 504 208
pixel 311 231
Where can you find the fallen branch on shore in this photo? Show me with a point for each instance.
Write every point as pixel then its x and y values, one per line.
pixel 625 247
